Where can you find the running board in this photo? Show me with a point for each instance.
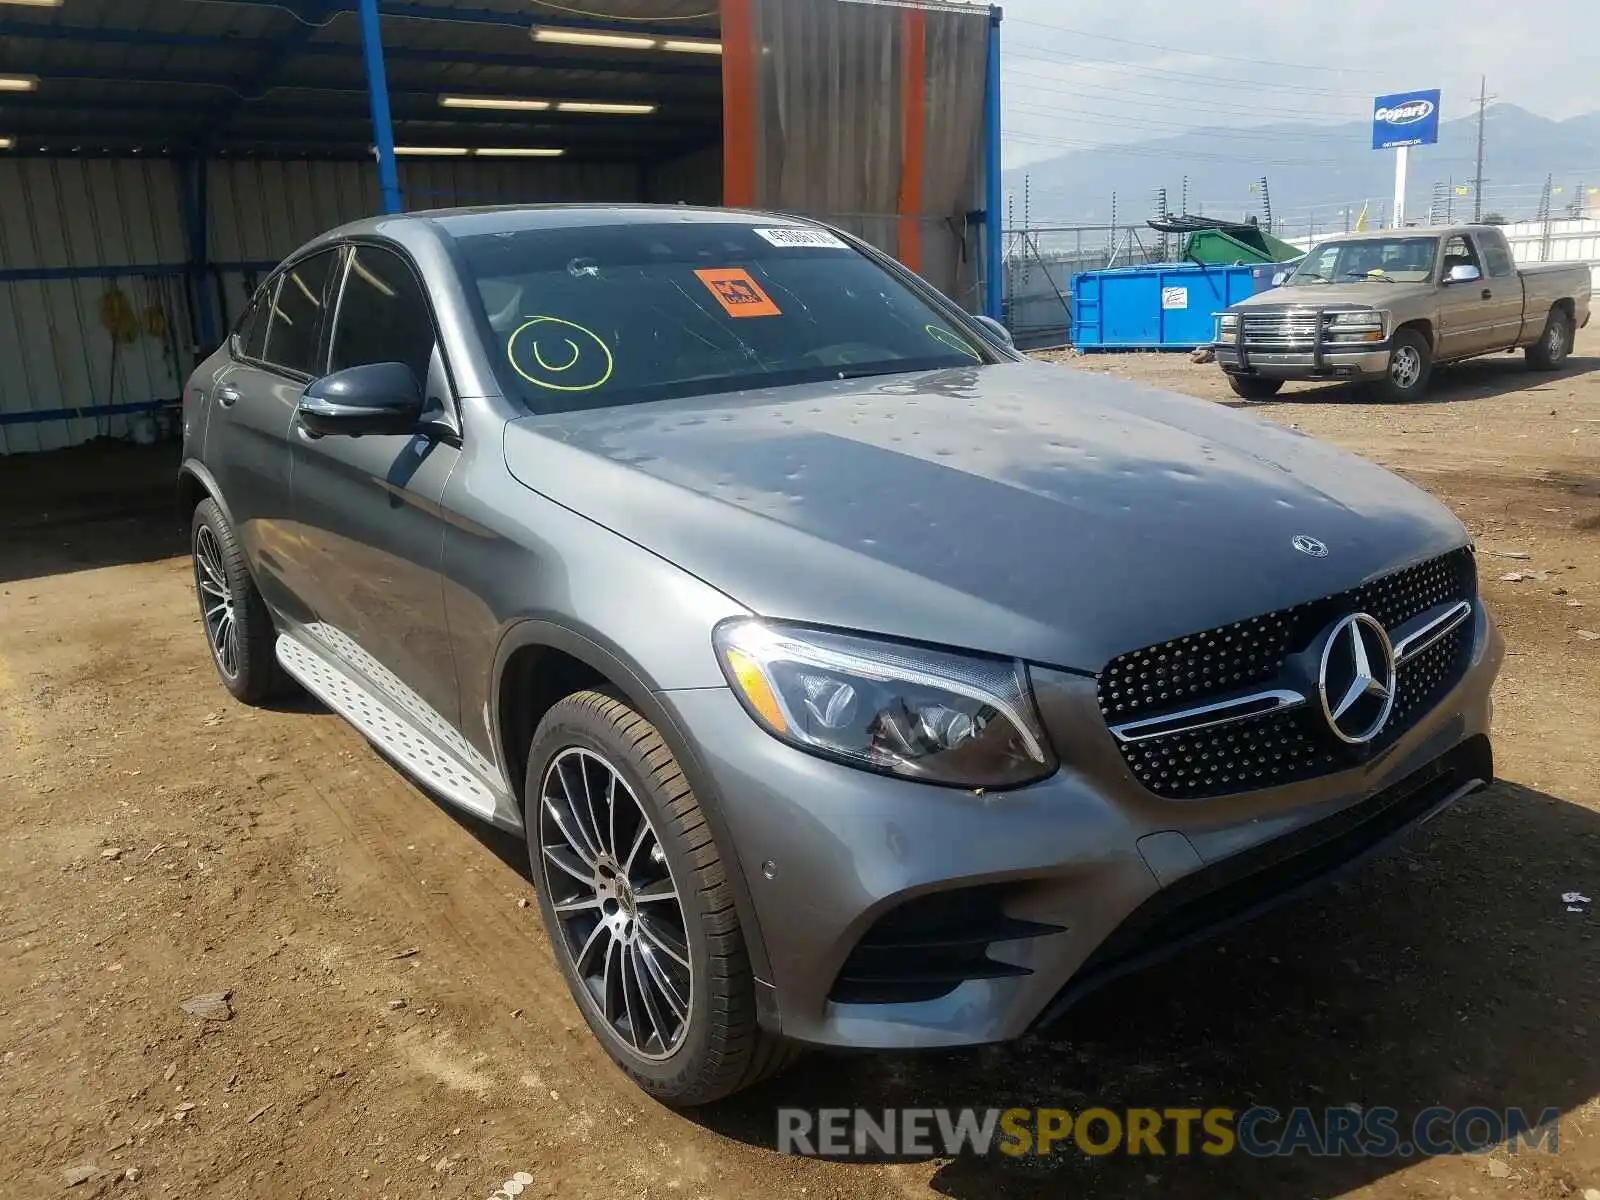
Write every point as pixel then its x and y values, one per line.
pixel 387 726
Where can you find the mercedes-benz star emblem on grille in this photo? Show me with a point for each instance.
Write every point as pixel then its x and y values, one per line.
pixel 1357 680
pixel 1307 544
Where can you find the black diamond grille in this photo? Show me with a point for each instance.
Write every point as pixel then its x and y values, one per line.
pixel 1283 747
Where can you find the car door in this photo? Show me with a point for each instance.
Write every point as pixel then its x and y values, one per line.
pixel 252 411
pixel 366 508
pixel 1467 311
pixel 1505 289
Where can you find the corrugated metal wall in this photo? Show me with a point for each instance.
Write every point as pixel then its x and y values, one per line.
pixel 870 116
pixel 262 211
pixel 692 179
pixel 104 229
pixel 78 340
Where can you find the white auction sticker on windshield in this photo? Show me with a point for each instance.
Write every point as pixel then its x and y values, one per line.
pixel 802 239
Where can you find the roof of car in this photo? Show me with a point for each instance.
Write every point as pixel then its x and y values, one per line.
pixel 1378 235
pixel 511 218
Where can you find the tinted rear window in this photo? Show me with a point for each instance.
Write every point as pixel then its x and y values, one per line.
pixel 622 314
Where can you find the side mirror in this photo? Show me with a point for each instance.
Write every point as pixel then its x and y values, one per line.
pixel 996 331
pixel 1463 273
pixel 1280 279
pixel 376 398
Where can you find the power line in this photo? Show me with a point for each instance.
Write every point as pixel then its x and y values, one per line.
pixel 1188 106
pixel 1222 81
pixel 1116 120
pixel 1260 62
pixel 1168 154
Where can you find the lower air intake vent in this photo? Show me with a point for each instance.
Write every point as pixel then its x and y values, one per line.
pixel 930 946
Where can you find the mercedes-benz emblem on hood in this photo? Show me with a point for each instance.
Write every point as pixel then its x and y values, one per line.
pixel 1307 544
pixel 1357 679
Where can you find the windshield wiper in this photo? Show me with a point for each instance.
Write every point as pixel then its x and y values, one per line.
pixel 1297 280
pixel 1366 275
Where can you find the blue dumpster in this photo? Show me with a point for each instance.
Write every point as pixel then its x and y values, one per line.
pixel 1167 306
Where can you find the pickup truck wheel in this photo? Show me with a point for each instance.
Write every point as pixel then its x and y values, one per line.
pixel 238 626
pixel 1410 366
pixel 638 907
pixel 1554 344
pixel 1254 387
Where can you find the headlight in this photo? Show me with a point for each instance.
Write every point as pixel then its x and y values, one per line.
pixel 1359 325
pixel 929 716
pixel 1357 319
pixel 1227 323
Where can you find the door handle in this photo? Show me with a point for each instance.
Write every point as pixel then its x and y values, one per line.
pixel 227 395
pixel 1487 294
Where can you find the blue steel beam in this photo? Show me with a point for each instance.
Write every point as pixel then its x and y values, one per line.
pixel 533 56
pixel 230 83
pixel 523 20
pixel 993 294
pixel 282 51
pixel 378 97
pixel 405 108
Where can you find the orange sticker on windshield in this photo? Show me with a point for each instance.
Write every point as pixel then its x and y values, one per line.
pixel 739 295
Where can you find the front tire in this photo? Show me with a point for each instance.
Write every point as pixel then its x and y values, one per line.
pixel 1550 352
pixel 1410 368
pixel 1254 387
pixel 237 624
pixel 638 907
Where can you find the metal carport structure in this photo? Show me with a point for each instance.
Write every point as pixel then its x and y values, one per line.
pixel 158 156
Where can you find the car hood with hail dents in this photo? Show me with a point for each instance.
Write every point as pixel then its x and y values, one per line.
pixel 1021 509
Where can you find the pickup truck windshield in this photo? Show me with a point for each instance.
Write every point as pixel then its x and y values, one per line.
pixel 612 315
pixel 1402 259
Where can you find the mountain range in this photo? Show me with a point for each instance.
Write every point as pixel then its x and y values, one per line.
pixel 1313 171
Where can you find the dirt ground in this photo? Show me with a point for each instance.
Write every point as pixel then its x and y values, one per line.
pixel 398 1028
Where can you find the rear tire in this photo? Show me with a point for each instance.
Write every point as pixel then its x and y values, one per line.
pixel 1410 368
pixel 237 625
pixel 1254 387
pixel 1550 352
pixel 620 846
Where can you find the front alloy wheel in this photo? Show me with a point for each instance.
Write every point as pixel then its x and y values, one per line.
pixel 1410 366
pixel 638 906
pixel 616 903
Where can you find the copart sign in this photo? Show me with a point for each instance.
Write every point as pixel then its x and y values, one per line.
pixel 1405 119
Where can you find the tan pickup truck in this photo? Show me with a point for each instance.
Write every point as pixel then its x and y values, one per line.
pixel 1387 307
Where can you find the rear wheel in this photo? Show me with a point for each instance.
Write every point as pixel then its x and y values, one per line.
pixel 238 626
pixel 1254 387
pixel 1410 367
pixel 638 906
pixel 1554 344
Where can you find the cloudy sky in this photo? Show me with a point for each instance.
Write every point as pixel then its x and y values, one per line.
pixel 1083 75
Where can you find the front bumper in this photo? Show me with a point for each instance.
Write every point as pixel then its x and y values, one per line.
pixel 1084 875
pixel 1366 361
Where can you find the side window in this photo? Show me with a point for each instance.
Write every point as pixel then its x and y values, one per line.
pixel 298 320
pixel 252 329
pixel 383 316
pixel 1458 252
pixel 1498 254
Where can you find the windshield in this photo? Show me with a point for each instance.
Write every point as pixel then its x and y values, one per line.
pixel 610 315
pixel 1402 259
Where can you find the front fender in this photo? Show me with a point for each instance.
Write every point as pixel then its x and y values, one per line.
pixel 616 666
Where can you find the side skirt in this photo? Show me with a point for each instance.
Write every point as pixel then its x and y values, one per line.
pixel 416 747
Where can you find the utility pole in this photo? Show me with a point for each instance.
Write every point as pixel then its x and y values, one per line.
pixel 1477 177
pixel 1161 215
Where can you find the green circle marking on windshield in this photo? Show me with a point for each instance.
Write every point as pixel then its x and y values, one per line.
pixel 946 338
pixel 590 361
